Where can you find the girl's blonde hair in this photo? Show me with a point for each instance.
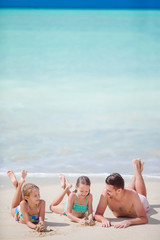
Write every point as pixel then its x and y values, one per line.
pixel 28 188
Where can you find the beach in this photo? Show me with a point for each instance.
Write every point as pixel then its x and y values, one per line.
pixel 60 227
pixel 79 94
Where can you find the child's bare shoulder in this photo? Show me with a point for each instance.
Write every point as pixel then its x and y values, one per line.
pixel 23 204
pixel 90 196
pixel 72 195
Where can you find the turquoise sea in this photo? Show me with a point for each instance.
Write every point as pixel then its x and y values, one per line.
pixel 79 90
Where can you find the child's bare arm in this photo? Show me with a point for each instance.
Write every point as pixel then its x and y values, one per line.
pixel 24 211
pixel 42 212
pixel 69 209
pixel 90 208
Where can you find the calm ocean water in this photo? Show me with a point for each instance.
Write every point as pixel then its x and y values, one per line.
pixel 79 90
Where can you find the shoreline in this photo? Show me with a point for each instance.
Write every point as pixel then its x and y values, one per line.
pixel 43 174
pixel 53 179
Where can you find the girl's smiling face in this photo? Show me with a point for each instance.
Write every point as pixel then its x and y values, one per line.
pixel 82 190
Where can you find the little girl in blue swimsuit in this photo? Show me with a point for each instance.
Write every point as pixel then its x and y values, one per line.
pixel 30 209
pixel 79 201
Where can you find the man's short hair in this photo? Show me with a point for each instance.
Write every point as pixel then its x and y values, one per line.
pixel 116 180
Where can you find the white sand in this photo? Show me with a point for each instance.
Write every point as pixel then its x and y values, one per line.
pixel 63 228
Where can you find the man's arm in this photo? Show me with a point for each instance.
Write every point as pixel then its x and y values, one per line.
pixel 101 209
pixel 140 212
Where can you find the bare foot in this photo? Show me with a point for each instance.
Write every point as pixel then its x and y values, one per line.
pixel 142 166
pixel 137 164
pixel 12 177
pixel 62 180
pixel 68 184
pixel 22 178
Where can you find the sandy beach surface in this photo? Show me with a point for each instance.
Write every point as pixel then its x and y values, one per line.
pixel 59 228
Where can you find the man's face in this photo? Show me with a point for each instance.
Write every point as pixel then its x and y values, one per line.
pixel 111 191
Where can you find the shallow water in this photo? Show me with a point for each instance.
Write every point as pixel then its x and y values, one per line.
pixel 79 90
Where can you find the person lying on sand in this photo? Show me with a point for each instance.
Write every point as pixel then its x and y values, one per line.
pixel 128 202
pixel 79 201
pixel 27 207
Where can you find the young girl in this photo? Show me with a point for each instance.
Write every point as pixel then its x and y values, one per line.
pixel 79 201
pixel 27 207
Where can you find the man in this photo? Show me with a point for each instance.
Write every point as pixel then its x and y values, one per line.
pixel 128 202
